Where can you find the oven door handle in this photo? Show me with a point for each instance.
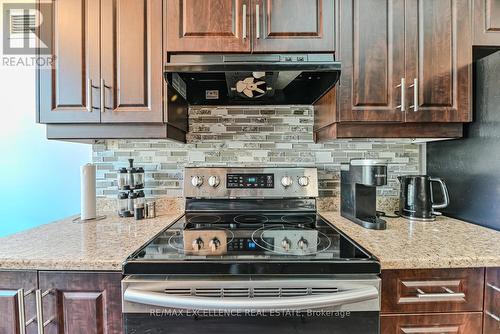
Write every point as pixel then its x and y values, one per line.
pixel 159 299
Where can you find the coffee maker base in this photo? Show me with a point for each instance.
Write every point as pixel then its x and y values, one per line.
pixel 374 224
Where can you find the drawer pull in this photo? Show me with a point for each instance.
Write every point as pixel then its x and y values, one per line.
pixel 447 295
pixel 425 330
pixel 491 315
pixel 496 288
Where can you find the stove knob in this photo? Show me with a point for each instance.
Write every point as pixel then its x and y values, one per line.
pixel 197 181
pixel 214 244
pixel 302 244
pixel 197 244
pixel 213 181
pixel 286 244
pixel 303 181
pixel 286 181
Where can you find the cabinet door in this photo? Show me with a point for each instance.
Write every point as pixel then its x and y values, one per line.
pixel 293 25
pixel 432 290
pixel 132 66
pixel 439 60
pixel 445 323
pixel 10 310
pixel 487 22
pixel 66 89
pixel 372 56
pixel 492 302
pixel 208 25
pixel 81 303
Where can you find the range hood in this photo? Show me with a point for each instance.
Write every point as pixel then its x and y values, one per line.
pixel 251 79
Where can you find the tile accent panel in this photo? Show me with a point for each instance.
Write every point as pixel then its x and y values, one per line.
pixel 257 136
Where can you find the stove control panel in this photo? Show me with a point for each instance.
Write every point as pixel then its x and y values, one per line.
pixel 251 182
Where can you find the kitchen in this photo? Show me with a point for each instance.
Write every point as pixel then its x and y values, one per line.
pixel 311 166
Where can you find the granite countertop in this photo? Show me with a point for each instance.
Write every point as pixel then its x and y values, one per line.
pixel 64 245
pixel 104 245
pixel 444 243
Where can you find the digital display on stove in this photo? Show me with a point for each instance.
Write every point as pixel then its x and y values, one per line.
pixel 247 244
pixel 249 181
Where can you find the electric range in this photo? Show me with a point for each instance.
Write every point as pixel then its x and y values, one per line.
pixel 250 241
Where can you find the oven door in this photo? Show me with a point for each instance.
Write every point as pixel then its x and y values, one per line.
pixel 251 305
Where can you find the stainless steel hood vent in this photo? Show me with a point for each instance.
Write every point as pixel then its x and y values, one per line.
pixel 251 79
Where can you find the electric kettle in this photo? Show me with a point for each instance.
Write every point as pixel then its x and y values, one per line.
pixel 416 198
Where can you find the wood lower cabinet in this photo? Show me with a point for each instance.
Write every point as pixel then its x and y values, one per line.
pixel 68 91
pixel 487 22
pixel 442 323
pixel 293 25
pixel 81 302
pixel 12 310
pixel 438 61
pixel 208 25
pixel 432 290
pixel 491 324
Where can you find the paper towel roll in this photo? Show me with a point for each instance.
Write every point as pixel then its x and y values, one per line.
pixel 88 192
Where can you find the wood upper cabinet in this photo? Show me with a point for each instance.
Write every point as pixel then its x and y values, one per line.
pixel 487 22
pixel 250 25
pixel 208 25
pixel 491 323
pixel 439 60
pixel 132 65
pixel 65 90
pixel 372 57
pixel 12 284
pixel 442 323
pixel 81 303
pixel 293 25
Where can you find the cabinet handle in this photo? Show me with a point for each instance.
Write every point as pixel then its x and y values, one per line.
pixel 415 95
pixel 425 330
pixel 90 99
pixel 496 288
pixel 244 21
pixel 447 295
pixel 39 311
pixel 402 86
pixel 257 21
pixel 491 315
pixel 103 95
pixel 21 311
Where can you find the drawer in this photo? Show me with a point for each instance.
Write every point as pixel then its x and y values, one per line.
pixel 492 302
pixel 432 290
pixel 435 323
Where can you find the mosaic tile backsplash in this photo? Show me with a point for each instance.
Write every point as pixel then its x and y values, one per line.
pixel 263 136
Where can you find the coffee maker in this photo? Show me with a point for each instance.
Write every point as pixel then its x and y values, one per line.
pixel 359 181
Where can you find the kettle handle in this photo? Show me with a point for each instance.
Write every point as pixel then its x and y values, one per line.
pixel 444 189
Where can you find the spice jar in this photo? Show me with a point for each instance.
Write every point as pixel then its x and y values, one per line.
pixel 139 178
pixel 139 205
pixel 123 183
pixel 123 208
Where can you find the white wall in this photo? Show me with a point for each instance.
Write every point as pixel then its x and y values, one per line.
pixel 40 178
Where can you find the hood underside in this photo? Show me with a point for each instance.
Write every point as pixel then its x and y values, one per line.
pixel 268 79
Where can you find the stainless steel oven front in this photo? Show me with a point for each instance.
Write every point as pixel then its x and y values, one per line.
pixel 251 304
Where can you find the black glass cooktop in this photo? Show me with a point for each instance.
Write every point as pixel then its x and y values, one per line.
pixel 251 243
